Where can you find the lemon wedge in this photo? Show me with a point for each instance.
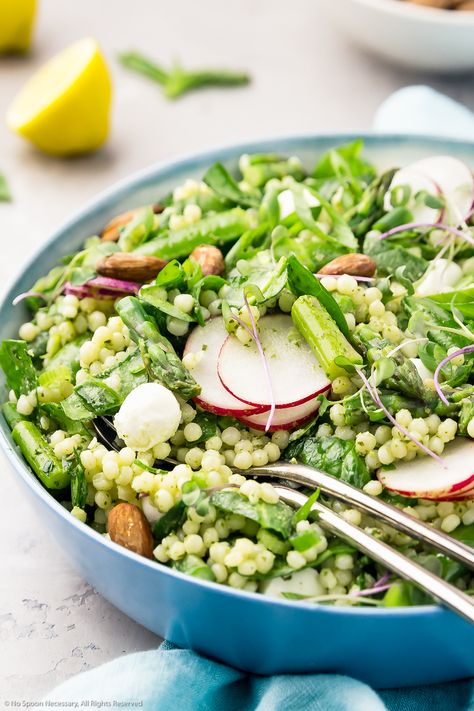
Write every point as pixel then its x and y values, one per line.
pixel 64 108
pixel 16 23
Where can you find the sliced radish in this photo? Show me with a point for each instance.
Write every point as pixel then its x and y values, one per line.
pixel 214 397
pixel 424 478
pixel 285 419
pixel 416 181
pixel 455 181
pixel 295 373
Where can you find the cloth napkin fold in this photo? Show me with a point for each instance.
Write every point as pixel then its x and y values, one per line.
pixel 170 678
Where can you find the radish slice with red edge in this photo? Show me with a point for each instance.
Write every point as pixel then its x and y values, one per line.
pixel 213 397
pixel 294 371
pixel 424 478
pixel 417 182
pixel 455 181
pixel 287 418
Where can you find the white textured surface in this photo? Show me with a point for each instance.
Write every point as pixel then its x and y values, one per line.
pixel 306 79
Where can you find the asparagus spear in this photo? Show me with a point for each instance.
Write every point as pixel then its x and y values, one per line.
pixel 40 456
pixel 11 415
pixel 158 354
pixel 323 335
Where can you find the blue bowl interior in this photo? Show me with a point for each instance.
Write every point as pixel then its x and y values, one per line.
pixel 247 630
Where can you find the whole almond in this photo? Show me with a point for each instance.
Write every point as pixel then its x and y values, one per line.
pixel 466 6
pixel 353 264
pixel 440 4
pixel 210 259
pixel 130 266
pixel 129 528
pixel 111 231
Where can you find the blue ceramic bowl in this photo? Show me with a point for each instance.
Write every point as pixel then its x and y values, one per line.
pixel 384 647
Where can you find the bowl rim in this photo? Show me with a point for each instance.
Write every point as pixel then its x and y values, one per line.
pixel 419 13
pixel 161 170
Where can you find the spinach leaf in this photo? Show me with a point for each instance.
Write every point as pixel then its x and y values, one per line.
pixel 170 521
pixel 332 455
pixel 16 363
pixel 72 426
pixel 208 424
pixel 465 534
pixel 220 180
pixel 302 282
pixel 172 276
pixel 389 257
pixel 98 397
pixel 75 409
pixel 276 517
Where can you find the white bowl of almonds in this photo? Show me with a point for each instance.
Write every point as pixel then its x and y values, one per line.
pixel 433 35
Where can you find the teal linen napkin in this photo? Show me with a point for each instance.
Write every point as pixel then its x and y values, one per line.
pixel 171 678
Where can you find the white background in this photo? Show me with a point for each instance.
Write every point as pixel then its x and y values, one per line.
pixel 307 78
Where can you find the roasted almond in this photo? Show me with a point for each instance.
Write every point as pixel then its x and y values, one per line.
pixel 130 266
pixel 210 259
pixel 129 528
pixel 353 264
pixel 111 231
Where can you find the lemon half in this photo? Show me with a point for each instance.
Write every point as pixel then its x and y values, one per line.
pixel 16 24
pixel 64 108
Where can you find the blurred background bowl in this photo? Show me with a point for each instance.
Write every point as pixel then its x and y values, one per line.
pixel 414 36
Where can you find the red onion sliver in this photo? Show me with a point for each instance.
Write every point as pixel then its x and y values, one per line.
pixel 102 286
pixel 372 390
pixel 258 343
pixel 461 351
pixel 27 295
pixel 438 226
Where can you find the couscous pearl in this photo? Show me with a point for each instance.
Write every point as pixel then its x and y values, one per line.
pixel 450 523
pixel 184 302
pixel 28 332
pixel 230 436
pixel 192 432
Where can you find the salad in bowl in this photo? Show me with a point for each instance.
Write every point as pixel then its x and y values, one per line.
pixel 323 317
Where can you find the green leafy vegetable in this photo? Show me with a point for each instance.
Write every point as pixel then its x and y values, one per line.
pixel 332 455
pixel 220 180
pixel 18 367
pixel 276 517
pixel 170 521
